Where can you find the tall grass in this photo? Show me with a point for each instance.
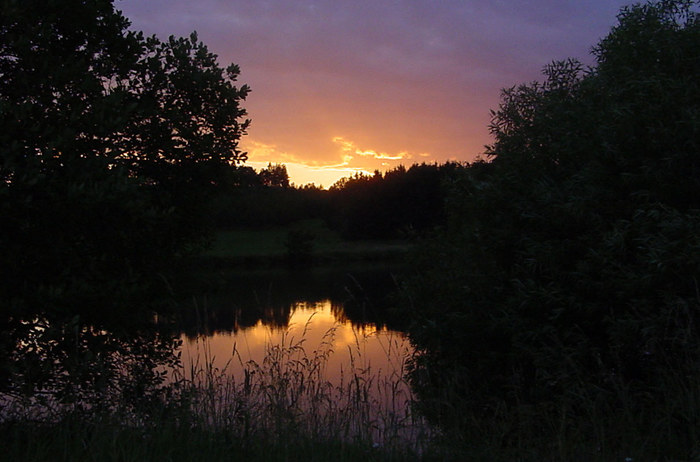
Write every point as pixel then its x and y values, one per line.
pixel 289 396
pixel 586 424
pixel 284 407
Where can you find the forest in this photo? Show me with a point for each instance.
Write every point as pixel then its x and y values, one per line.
pixel 550 289
pixel 381 206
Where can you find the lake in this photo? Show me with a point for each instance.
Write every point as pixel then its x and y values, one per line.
pixel 320 353
pixel 325 342
pixel 317 328
pixel 348 311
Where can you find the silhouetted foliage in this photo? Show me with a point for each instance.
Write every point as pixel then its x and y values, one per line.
pixel 110 142
pixel 396 204
pixel 258 205
pixel 111 145
pixel 568 272
pixel 250 297
pixel 384 206
pixel 274 176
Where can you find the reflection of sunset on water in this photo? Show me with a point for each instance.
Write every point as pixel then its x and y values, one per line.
pixel 312 324
pixel 344 376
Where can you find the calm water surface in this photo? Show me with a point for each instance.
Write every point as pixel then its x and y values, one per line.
pixel 316 328
pixel 345 317
pixel 346 312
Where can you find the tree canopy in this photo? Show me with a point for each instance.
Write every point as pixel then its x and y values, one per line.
pixel 274 176
pixel 568 273
pixel 110 143
pixel 400 202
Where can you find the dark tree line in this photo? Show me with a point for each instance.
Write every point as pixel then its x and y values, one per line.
pixel 566 281
pixel 359 298
pixel 398 203
pixel 265 199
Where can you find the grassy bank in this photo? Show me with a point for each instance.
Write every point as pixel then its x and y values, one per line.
pixel 106 438
pixel 280 409
pixel 274 245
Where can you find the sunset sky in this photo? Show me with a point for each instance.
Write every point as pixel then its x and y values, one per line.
pixel 342 86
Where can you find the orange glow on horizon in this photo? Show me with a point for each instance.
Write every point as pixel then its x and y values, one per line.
pixel 350 148
pixel 302 174
pixel 344 159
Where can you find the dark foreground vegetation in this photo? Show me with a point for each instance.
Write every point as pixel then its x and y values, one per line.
pixel 552 289
pixel 119 160
pixel 559 311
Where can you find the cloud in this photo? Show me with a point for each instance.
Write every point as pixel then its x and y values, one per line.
pixel 343 158
pixel 399 79
pixel 301 170
pixel 350 147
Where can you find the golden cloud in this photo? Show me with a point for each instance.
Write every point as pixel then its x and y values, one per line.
pixel 347 159
pixel 350 147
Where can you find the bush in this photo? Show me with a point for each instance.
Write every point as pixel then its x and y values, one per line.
pixel 565 283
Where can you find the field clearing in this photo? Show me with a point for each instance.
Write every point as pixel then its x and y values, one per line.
pixel 272 244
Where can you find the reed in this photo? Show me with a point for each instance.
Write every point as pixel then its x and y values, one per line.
pixel 281 408
pixel 587 424
pixel 288 396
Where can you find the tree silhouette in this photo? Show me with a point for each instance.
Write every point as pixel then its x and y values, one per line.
pixel 568 270
pixel 110 144
pixel 274 176
pixel 388 205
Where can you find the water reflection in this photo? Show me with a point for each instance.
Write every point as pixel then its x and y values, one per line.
pixel 51 364
pixel 318 325
pixel 242 299
pixel 267 353
pixel 306 364
pixel 347 311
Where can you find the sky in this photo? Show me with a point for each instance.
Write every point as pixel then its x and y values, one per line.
pixel 341 86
